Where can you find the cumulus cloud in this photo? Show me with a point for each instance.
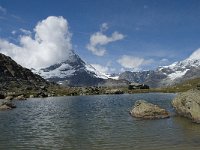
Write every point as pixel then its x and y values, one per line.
pixel 104 27
pixel 99 40
pixel 27 32
pixel 14 32
pixel 131 62
pixel 51 42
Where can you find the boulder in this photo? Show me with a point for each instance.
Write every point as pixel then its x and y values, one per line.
pixel 146 110
pixel 6 105
pixel 187 104
pixel 42 94
pixel 9 98
pixel 31 96
pixel 20 97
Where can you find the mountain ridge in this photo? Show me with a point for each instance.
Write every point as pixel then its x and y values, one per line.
pixel 14 76
pixel 166 75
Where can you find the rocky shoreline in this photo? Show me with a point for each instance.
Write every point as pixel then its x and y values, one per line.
pixel 6 105
pixel 185 104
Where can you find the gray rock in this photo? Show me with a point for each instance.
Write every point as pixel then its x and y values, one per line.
pixel 145 110
pixel 114 91
pixel 31 96
pixel 9 98
pixel 42 94
pixel 20 97
pixel 6 105
pixel 187 104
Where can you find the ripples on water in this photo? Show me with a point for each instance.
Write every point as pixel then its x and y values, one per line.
pixel 94 122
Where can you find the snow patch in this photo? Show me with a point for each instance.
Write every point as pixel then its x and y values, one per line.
pixel 97 73
pixel 65 70
pixel 177 74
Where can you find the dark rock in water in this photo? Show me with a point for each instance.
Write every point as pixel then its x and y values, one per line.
pixel 6 105
pixel 187 104
pixel 145 110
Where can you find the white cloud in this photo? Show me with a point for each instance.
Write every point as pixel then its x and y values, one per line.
pixel 3 10
pixel 104 27
pixel 132 62
pixel 122 70
pixel 195 54
pixel 164 60
pixel 98 40
pixel 27 32
pixel 51 42
pixel 100 68
pixel 14 32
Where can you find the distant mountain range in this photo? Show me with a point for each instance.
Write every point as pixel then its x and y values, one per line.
pixel 166 75
pixel 75 72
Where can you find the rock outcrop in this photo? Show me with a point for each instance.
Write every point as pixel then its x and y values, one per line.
pixel 6 105
pixel 17 82
pixel 9 98
pixel 14 77
pixel 145 110
pixel 187 104
pixel 20 97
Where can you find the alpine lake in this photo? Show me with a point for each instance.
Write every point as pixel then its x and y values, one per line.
pixel 99 122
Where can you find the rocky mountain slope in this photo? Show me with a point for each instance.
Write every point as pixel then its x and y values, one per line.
pixel 166 75
pixel 14 77
pixel 75 72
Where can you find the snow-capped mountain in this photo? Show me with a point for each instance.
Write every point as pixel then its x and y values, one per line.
pixel 166 75
pixel 73 71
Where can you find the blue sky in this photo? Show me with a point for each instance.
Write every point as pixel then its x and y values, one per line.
pixel 155 32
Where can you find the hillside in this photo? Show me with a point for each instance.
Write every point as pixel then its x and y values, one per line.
pixel 14 77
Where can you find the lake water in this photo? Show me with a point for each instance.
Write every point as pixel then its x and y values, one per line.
pixel 94 123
